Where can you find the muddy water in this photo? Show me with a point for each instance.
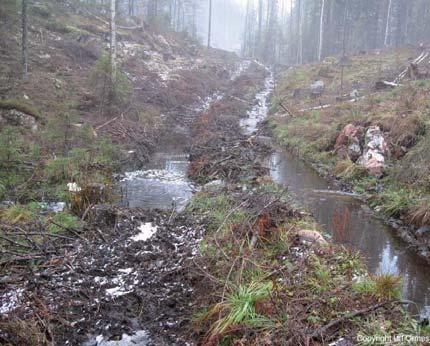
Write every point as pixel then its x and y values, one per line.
pixel 161 184
pixel 261 108
pixel 346 218
pixel 351 222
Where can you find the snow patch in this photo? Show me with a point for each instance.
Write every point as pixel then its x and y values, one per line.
pixel 10 300
pixel 260 110
pixel 146 232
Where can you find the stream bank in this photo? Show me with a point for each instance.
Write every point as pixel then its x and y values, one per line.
pixel 164 277
pixel 261 250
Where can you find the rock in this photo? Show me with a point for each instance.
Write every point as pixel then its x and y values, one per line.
pixel 317 88
pixel 423 231
pixel 348 142
pixel 214 185
pixel 375 151
pixel 311 236
pixel 354 94
pixel 354 151
pixel 18 118
pixel 297 93
pixel 140 337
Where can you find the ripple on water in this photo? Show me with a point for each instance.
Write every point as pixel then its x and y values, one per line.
pixel 164 185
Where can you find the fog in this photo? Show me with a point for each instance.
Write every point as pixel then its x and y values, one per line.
pixel 228 23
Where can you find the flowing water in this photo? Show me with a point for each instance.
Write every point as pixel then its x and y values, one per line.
pixel 163 184
pixel 346 218
pixel 261 108
pixel 349 221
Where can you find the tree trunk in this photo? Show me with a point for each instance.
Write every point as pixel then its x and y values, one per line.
pixel 321 31
pixel 260 28
pixel 210 24
pixel 387 26
pixel 113 40
pixel 300 31
pixel 24 42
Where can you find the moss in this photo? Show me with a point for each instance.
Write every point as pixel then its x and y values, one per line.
pixel 21 106
pixel 18 213
pixel 41 10
pixel 58 27
pixel 64 220
pixel 217 208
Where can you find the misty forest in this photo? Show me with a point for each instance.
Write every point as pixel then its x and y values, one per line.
pixel 214 172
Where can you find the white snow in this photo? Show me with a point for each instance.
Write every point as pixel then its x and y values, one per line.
pixel 146 232
pixel 73 187
pixel 10 300
pixel 126 271
pixel 243 65
pixel 260 110
pixel 117 291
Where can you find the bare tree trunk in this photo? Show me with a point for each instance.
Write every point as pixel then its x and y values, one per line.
pixel 130 7
pixel 291 46
pixel 387 26
pixel 260 28
pixel 210 24
pixel 300 30
pixel 113 39
pixel 247 34
pixel 24 42
pixel 321 31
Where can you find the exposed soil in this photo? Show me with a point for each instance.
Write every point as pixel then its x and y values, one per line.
pixel 131 272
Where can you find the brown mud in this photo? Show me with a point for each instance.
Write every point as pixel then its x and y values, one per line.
pixel 128 274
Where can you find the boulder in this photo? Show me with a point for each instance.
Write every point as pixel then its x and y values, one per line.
pixel 375 151
pixel 317 88
pixel 354 94
pixel 17 118
pixel 347 144
pixel 311 236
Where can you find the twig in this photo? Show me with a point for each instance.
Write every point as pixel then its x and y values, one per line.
pixel 71 230
pixel 106 123
pixel 317 334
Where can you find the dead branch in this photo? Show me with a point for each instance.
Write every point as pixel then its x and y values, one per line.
pixel 318 334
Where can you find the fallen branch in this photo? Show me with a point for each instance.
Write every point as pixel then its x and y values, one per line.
pixel 318 334
pixel 106 123
pixel 286 110
pixel 118 26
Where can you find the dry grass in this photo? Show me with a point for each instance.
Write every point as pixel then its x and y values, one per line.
pixel 421 216
pixel 19 332
pixel 406 130
pixel 349 170
pixel 414 167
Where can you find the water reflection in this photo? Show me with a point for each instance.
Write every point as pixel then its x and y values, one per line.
pixel 349 222
pixel 161 184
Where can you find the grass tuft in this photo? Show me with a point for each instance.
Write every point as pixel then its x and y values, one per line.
pixel 239 308
pixel 388 287
pixel 21 106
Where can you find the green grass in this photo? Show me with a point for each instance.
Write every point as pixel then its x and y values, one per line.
pixel 62 221
pixel 388 287
pixel 18 213
pixel 364 287
pixel 239 308
pixel 394 202
pixel 384 287
pixel 21 106
pixel 220 208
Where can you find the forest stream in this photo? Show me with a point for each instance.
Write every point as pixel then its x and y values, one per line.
pixel 164 184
